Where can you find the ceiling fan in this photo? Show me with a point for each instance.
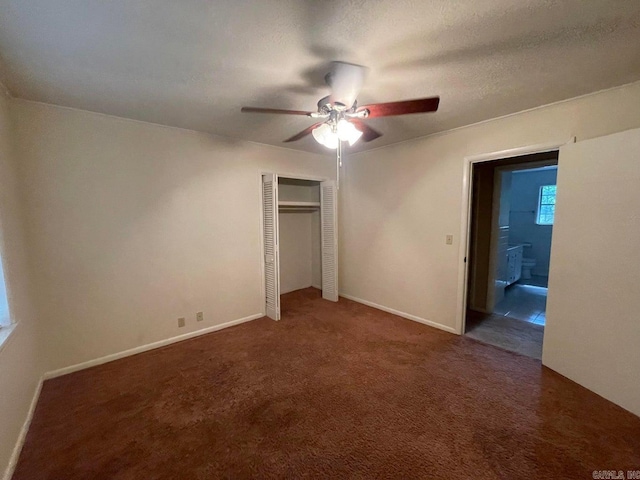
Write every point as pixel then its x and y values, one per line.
pixel 340 117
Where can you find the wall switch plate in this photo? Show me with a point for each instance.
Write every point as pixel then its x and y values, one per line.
pixel 199 316
pixel 449 239
pixel 181 322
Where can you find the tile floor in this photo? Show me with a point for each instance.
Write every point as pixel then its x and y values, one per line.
pixel 524 302
pixel 508 333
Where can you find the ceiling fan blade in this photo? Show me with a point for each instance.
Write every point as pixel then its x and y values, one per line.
pixel 419 105
pixel 345 80
pixel 303 133
pixel 368 133
pixel 274 110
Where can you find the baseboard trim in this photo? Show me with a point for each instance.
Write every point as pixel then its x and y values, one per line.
pixel 408 316
pixel 300 288
pixel 13 460
pixel 145 348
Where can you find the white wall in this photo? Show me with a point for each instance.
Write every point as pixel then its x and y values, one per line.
pixel 399 202
pixel 525 192
pixel 298 190
pixel 593 328
pixel 132 225
pixel 21 358
pixel 296 254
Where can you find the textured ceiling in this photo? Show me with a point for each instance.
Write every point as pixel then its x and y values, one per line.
pixel 193 64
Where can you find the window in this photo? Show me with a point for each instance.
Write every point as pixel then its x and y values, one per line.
pixel 6 327
pixel 546 205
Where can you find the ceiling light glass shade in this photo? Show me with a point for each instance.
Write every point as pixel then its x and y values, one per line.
pixel 331 141
pixel 325 135
pixel 347 132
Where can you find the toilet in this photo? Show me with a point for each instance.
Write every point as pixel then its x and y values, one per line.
pixel 527 266
pixel 527 262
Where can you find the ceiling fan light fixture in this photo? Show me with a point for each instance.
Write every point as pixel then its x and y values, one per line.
pixel 325 135
pixel 347 132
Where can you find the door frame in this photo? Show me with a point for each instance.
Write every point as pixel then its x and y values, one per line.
pixel 295 176
pixel 465 224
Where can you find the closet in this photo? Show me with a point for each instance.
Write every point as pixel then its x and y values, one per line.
pixel 300 238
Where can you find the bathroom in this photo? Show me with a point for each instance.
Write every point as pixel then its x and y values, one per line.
pixel 530 196
pixel 512 216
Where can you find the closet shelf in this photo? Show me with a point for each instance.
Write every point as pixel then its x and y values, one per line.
pixel 285 204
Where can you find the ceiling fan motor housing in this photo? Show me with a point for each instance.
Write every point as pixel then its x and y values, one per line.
pixel 326 105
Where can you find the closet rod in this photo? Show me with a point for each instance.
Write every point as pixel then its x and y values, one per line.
pixel 298 204
pixel 298 209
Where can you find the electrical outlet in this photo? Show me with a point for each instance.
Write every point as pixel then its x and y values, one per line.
pixel 449 239
pixel 199 316
pixel 181 322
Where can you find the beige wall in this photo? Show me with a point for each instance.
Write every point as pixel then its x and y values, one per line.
pixel 21 361
pixel 132 225
pixel 593 321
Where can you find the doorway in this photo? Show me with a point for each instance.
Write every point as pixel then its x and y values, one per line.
pixel 300 238
pixel 511 224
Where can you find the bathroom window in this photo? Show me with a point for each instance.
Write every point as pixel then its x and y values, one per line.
pixel 546 205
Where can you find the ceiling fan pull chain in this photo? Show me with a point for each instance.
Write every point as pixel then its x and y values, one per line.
pixel 338 163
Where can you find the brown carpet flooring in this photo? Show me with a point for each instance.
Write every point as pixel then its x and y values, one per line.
pixel 331 391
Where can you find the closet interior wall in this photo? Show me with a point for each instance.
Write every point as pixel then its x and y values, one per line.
pixel 300 235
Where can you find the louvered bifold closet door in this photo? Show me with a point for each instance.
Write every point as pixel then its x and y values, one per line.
pixel 271 253
pixel 329 227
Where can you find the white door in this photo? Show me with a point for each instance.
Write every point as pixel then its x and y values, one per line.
pixel 271 252
pixel 329 228
pixel 592 335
